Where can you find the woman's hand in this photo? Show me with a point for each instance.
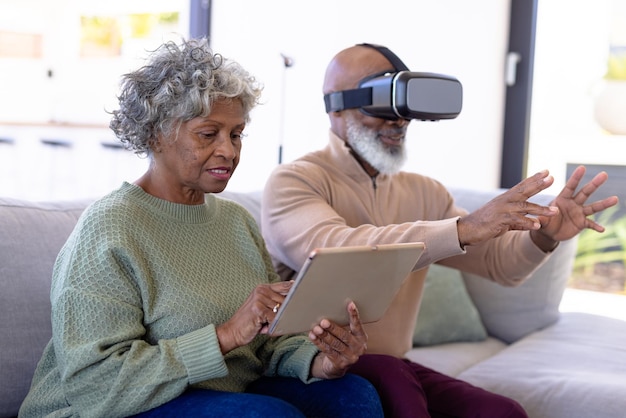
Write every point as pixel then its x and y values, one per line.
pixel 340 347
pixel 253 317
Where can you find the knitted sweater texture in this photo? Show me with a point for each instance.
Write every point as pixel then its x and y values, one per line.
pixel 137 292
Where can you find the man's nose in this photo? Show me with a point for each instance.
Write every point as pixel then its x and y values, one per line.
pixel 400 122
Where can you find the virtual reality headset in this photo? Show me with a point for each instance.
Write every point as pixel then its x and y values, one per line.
pixel 402 94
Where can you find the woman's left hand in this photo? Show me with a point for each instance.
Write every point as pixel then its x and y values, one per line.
pixel 340 347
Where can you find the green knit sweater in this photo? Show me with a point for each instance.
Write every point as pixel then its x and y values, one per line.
pixel 137 291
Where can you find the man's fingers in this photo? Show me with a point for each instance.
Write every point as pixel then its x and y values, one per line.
pixel 572 183
pixel 531 186
pixel 588 189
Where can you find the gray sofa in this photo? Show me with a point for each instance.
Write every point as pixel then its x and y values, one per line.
pixel 557 365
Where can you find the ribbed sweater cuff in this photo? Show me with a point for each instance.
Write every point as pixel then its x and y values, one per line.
pixel 303 361
pixel 442 240
pixel 202 355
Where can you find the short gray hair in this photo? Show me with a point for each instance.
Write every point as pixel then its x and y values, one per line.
pixel 179 82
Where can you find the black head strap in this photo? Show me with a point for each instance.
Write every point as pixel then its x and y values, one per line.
pixel 397 63
pixel 359 97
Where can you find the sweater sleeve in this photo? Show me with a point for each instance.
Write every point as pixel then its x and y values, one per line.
pixel 507 260
pixel 299 215
pixel 292 357
pixel 201 354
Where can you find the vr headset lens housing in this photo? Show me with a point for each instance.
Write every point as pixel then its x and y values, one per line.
pixel 412 95
pixel 404 94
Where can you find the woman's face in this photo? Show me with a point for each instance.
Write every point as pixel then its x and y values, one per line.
pixel 202 156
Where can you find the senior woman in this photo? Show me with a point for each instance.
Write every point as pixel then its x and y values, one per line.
pixel 162 294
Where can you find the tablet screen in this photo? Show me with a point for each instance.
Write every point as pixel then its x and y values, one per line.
pixel 331 277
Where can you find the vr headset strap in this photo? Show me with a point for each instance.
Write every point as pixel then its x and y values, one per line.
pixel 393 58
pixel 350 99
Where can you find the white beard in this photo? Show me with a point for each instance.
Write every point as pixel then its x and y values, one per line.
pixel 365 142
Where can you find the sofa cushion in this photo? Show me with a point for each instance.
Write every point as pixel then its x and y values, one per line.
pixel 574 368
pixel 447 313
pixel 32 235
pixel 454 358
pixel 509 313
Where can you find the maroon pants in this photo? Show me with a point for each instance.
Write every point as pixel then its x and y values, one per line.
pixel 408 389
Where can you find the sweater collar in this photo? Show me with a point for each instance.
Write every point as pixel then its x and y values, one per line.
pixel 183 213
pixel 342 156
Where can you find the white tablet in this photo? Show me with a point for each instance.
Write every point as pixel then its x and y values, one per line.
pixel 369 275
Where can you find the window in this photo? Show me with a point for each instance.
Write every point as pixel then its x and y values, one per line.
pixel 60 65
pixel 568 124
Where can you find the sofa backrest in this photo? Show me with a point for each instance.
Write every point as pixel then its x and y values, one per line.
pixel 31 236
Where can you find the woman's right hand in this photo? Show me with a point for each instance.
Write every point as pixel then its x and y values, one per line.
pixel 253 317
pixel 340 347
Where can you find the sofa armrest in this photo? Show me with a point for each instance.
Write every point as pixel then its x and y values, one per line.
pixel 510 313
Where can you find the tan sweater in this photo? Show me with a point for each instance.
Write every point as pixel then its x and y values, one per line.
pixel 326 199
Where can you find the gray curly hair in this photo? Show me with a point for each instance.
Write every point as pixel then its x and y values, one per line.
pixel 179 83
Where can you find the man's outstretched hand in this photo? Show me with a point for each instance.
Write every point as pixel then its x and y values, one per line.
pixel 573 210
pixel 566 216
pixel 507 212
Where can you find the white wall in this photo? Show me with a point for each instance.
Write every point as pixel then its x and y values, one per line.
pixel 85 168
pixel 70 105
pixel 465 39
pixel 80 88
